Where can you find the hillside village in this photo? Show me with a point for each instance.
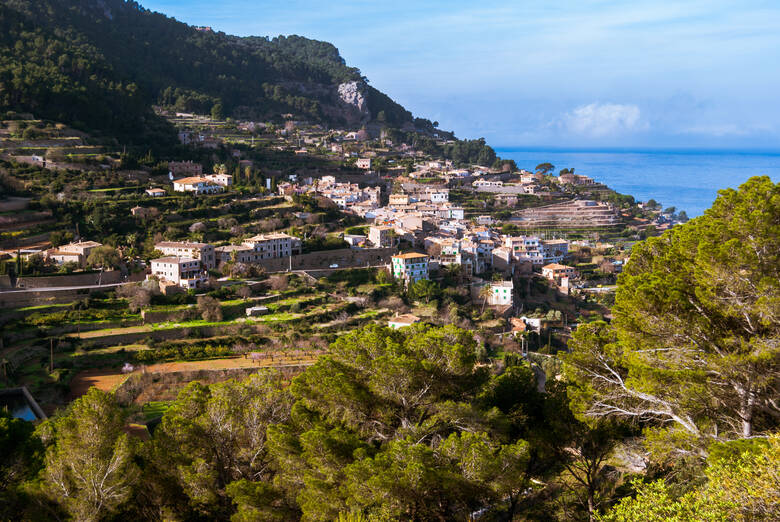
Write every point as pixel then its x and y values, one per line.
pixel 247 210
pixel 238 281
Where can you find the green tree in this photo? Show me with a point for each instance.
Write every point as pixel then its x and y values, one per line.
pixel 693 345
pixel 545 168
pixel 105 257
pixel 367 432
pixel 424 290
pixel 213 436
pixel 89 458
pixel 408 481
pixel 743 488
pixel 20 460
pixel 217 111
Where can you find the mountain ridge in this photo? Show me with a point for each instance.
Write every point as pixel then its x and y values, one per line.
pixel 103 64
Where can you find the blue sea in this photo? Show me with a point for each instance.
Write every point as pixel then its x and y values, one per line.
pixel 687 180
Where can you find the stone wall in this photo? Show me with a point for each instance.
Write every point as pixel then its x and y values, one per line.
pixel 18 299
pixel 23 242
pixel 88 279
pixel 345 258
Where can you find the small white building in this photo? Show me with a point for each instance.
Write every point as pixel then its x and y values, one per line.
pixel 223 180
pixel 501 293
pixel 556 272
pixel 401 321
pixel 440 196
pixel 274 245
pixel 236 253
pixel 202 251
pixel 256 311
pixel 197 184
pixel 186 272
pixel 410 267
pixel 355 239
pixel 493 293
pixel 363 163
pixel 484 183
pixel 381 236
pixel 454 212
pixel 155 192
pixel 77 252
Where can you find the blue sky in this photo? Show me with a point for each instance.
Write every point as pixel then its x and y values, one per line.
pixel 588 73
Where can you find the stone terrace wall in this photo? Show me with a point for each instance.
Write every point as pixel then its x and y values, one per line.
pixel 93 278
pixel 345 257
pixel 45 297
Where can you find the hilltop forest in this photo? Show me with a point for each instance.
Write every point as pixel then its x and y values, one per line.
pixel 101 65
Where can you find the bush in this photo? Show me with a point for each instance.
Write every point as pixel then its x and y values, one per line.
pixel 209 308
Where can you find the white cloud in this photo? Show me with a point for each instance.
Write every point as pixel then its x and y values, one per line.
pixel 597 120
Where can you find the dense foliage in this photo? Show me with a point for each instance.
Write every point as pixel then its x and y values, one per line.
pixel 693 350
pixel 100 65
pixel 461 152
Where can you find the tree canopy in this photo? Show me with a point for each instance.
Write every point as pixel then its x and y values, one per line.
pixel 102 65
pixel 693 348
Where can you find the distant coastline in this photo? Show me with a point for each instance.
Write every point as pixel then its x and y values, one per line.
pixel 687 179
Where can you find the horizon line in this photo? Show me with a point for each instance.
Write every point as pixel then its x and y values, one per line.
pixel 668 150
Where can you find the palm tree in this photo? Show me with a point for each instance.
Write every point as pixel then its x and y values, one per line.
pixel 484 293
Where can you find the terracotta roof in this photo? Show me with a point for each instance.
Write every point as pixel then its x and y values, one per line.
pixel 410 255
pixel 191 180
pixel 405 319
pixel 180 244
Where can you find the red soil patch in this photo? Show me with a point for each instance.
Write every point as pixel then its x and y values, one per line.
pixel 106 380
pixel 110 378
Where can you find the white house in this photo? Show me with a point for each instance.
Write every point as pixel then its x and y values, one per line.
pixel 501 293
pixel 223 180
pixel 77 252
pixel 400 321
pixel 197 184
pixel 183 271
pixel 381 236
pixel 410 267
pixel 202 251
pixel 363 163
pixel 155 192
pixel 482 183
pixel 274 245
pixel 556 272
